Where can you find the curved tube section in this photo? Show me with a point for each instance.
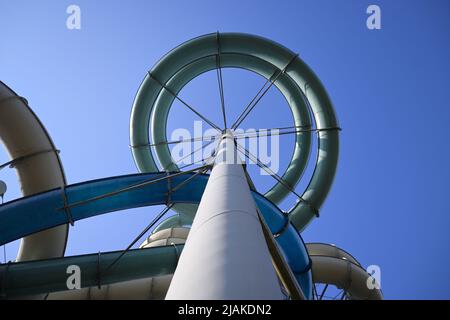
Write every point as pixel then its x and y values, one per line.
pixel 147 288
pixel 18 218
pixel 193 58
pixel 153 288
pixel 37 277
pixel 265 57
pixel 287 87
pixel 332 265
pixel 329 250
pixel 150 288
pixel 38 167
pixel 175 221
pixel 166 237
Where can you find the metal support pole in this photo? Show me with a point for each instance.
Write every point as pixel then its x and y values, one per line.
pixel 226 256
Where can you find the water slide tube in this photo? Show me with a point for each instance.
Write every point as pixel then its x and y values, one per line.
pixel 39 277
pixel 260 55
pixel 150 288
pixel 303 91
pixel 18 218
pixel 332 265
pixel 38 167
pixel 151 279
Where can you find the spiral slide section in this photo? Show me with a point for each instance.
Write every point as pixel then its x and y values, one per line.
pixel 302 89
pixel 38 166
pixel 332 265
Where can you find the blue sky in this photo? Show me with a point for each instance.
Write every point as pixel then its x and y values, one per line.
pixel 388 205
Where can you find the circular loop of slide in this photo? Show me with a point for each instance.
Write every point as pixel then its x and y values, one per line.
pixel 265 57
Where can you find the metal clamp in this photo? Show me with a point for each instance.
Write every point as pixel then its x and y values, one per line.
pixel 140 146
pixel 12 163
pixel 24 100
pixel 169 189
pixel 315 210
pixel 99 284
pixel 329 129
pixel 66 206
pixel 289 63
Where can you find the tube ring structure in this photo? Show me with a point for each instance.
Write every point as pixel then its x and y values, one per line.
pixel 301 88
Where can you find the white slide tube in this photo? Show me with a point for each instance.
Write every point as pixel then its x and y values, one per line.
pixel 38 166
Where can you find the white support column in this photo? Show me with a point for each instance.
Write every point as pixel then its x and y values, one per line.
pixel 225 256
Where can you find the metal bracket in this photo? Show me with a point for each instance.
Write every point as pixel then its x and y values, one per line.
pixel 169 190
pixel 99 284
pixel 219 51
pixel 283 228
pixel 278 72
pixel 66 206
pixel 13 162
pixel 290 62
pixel 24 100
pixel 314 209
pixel 218 64
pixel 140 146
pixel 329 129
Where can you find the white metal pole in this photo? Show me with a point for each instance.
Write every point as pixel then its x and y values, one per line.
pixel 225 256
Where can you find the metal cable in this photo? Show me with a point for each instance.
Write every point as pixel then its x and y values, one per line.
pixel 12 162
pixel 250 107
pixel 195 162
pixel 250 103
pixel 278 178
pixel 267 133
pixel 220 81
pixel 255 159
pixel 185 182
pixel 183 102
pixel 146 229
pixel 175 141
pixel 134 186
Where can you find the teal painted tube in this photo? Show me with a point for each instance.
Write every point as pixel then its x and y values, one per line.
pixel 302 89
pixel 188 61
pixel 286 86
pixel 43 276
